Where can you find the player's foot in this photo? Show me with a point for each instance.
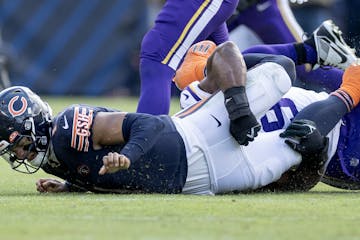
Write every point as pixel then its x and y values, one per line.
pixel 331 48
pixel 193 67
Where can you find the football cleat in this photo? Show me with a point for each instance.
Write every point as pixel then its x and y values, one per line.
pixel 193 67
pixel 331 48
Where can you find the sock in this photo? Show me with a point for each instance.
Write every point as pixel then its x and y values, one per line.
pixel 286 49
pixel 311 54
pixel 305 54
pixel 310 41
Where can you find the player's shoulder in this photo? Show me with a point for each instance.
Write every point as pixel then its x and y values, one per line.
pixel 81 111
pixel 72 127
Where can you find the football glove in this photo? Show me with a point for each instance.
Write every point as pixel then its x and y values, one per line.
pixel 243 125
pixel 303 136
pixel 193 67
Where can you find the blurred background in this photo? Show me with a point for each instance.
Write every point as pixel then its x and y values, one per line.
pixel 91 47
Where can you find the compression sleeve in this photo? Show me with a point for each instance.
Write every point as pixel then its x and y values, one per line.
pixel 326 113
pixel 140 132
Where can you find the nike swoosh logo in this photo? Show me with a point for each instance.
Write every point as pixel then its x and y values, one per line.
pixel 66 124
pixel 254 132
pixel 340 52
pixel 263 6
pixel 343 58
pixel 217 120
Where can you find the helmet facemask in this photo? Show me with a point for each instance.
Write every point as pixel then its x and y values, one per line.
pixel 34 125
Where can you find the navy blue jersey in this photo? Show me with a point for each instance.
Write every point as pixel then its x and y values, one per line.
pixel 162 169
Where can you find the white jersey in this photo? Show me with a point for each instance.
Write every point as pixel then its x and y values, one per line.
pixel 229 166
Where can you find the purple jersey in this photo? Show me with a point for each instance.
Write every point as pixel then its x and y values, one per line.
pixel 158 170
pixel 344 169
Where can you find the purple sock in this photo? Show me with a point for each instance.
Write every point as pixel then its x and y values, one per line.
pixel 155 87
pixel 311 54
pixel 286 49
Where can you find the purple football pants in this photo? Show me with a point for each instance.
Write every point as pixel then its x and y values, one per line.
pixel 179 24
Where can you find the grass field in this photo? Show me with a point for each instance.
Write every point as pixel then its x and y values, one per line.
pixel 323 213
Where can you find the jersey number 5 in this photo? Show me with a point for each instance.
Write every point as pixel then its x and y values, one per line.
pixel 280 114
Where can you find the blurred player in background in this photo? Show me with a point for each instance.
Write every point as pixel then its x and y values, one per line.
pixel 178 25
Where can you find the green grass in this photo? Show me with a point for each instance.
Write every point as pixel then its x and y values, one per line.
pixel 323 213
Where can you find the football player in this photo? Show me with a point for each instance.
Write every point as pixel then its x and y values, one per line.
pixel 103 150
pixel 178 25
pixel 343 169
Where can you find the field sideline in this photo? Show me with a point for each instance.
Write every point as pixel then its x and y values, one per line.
pixel 323 213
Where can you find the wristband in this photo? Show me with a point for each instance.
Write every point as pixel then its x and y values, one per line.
pixel 236 102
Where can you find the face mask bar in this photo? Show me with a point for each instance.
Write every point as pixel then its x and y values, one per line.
pixel 23 165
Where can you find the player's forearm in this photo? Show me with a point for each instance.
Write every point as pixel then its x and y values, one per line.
pixel 140 131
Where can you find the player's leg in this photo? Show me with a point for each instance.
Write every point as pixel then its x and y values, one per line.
pixel 178 25
pixel 325 47
pixel 280 26
pixel 275 22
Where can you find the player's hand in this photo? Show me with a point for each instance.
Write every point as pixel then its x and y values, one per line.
pixel 243 125
pixel 244 129
pixel 303 136
pixel 114 162
pixel 193 67
pixel 50 185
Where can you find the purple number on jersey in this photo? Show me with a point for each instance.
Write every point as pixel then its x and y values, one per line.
pixel 279 109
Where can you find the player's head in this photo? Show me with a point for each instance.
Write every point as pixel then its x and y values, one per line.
pixel 25 125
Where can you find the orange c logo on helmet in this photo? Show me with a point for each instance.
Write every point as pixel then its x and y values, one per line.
pixel 19 112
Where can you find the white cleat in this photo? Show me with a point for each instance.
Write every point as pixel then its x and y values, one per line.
pixel 331 48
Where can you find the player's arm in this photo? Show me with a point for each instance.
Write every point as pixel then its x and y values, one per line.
pixel 138 132
pixel 226 67
pixel 304 137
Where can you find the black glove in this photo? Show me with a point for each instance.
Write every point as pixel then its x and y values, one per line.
pixel 243 124
pixel 303 136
